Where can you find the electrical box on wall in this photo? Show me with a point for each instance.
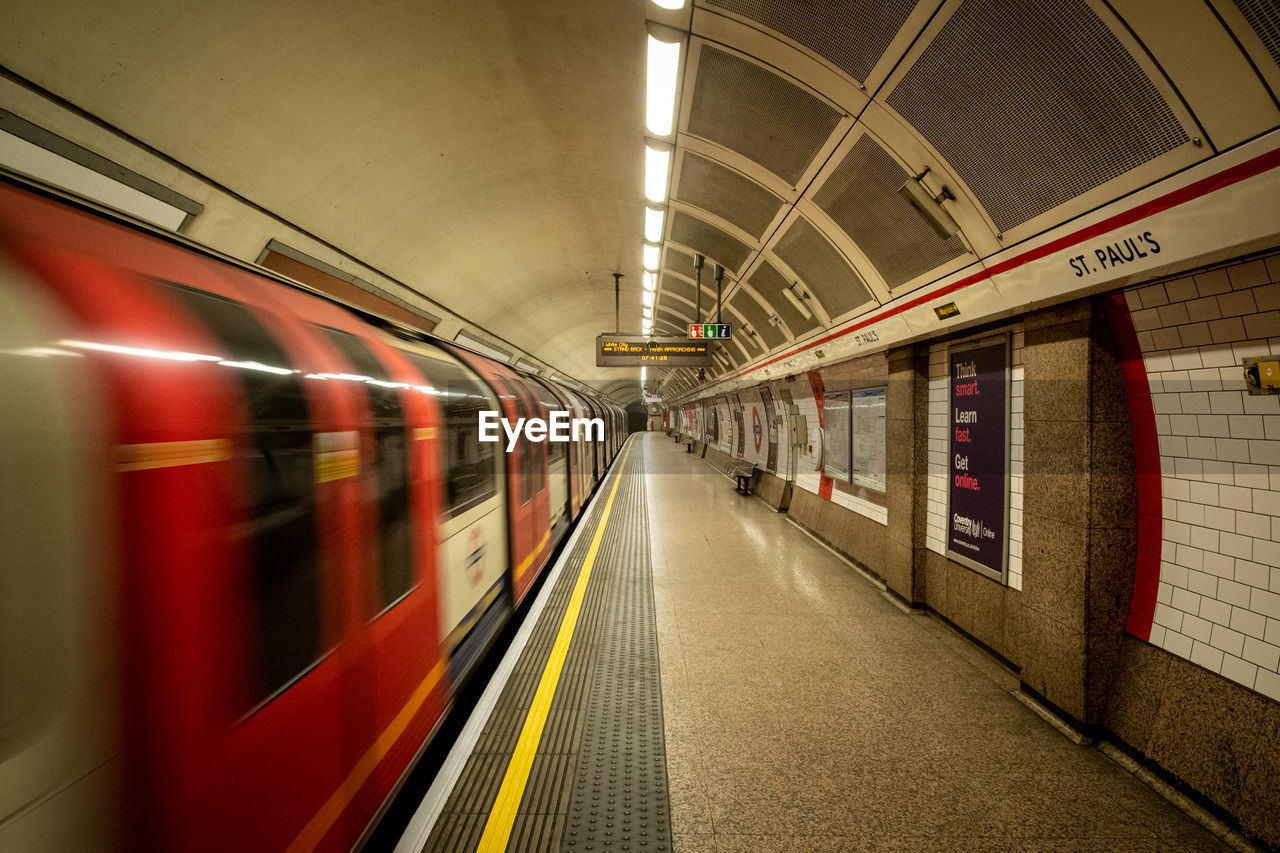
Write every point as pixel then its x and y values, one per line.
pixel 1262 374
pixel 799 425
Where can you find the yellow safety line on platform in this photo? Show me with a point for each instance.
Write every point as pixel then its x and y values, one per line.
pixel 497 831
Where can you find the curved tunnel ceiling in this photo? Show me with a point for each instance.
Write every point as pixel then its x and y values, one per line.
pixel 489 154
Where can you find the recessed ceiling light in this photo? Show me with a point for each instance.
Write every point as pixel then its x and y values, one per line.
pixel 650 257
pixel 656 163
pixel 653 224
pixel 664 66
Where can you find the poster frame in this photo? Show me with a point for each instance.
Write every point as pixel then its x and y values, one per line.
pixel 983 342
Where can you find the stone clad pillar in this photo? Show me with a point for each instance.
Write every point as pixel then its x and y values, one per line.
pixel 907 469
pixel 1080 515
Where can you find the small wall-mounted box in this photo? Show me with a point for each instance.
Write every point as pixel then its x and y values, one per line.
pixel 1262 374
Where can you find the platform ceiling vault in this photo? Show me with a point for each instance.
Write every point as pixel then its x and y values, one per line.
pixel 490 154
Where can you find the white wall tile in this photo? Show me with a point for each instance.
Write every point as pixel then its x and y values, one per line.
pixel 1219 590
pixel 1238 670
pixel 1268 684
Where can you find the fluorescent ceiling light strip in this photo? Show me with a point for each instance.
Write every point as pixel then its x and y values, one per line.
pixel 669 4
pixel 650 257
pixel 653 224
pixel 647 298
pixel 650 280
pixel 656 163
pixel 664 67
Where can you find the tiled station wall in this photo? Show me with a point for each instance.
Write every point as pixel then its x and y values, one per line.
pixel 1219 593
pixel 939 424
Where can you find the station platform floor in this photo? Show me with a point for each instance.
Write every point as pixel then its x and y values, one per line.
pixel 731 684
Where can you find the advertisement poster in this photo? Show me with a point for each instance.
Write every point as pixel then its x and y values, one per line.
pixel 868 464
pixel 977 533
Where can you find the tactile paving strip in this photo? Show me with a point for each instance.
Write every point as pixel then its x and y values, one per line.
pixel 620 800
pixel 598 781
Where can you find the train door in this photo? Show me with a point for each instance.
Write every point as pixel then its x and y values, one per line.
pixel 598 448
pixel 471 537
pixel 528 530
pixel 392 598
pixel 557 461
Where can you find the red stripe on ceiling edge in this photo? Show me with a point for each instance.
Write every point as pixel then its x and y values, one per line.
pixel 1242 171
pixel 825 483
pixel 1146 580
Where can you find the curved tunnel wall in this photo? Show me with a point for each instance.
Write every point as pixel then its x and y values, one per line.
pixel 1187 682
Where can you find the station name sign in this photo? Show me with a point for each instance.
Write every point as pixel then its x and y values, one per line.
pixel 715 331
pixel 656 351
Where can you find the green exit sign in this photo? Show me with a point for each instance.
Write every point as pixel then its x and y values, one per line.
pixel 719 331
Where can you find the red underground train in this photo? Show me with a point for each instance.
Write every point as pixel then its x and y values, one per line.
pixel 250 545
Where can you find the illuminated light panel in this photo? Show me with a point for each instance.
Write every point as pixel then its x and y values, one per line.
pixel 647 298
pixel 259 366
pixel 656 164
pixel 650 281
pixel 169 355
pixel 669 4
pixel 653 224
pixel 650 257
pixel 648 314
pixel 664 67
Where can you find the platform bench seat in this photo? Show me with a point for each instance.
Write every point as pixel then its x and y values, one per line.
pixel 743 473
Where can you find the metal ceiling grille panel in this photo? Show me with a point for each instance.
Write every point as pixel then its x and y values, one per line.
pixel 754 314
pixel 861 196
pixel 850 34
pixel 667 303
pixel 755 112
pixel 750 345
pixel 1264 17
pixel 736 356
pixel 673 315
pixel 678 287
pixel 678 262
pixel 823 271
pixel 1034 104
pixel 727 194
pixel 768 282
pixel 709 240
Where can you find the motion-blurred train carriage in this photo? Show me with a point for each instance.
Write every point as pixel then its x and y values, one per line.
pixel 250 544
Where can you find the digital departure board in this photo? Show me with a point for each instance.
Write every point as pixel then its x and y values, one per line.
pixel 656 351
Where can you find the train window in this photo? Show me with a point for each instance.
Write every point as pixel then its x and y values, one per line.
pixel 469 474
pixel 279 527
pixel 390 467
pixel 524 457
pixel 556 450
